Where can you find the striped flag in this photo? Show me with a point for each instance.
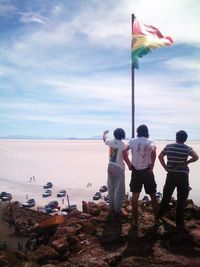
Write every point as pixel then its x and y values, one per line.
pixel 144 39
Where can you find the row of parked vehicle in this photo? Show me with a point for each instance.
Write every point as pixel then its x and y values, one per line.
pixel 4 196
pixel 98 195
pixel 48 192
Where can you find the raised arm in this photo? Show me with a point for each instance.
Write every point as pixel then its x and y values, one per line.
pixel 105 133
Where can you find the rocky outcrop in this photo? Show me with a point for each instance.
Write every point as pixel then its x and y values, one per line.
pixel 95 238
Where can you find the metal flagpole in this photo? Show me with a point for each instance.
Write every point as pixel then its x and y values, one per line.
pixel 133 89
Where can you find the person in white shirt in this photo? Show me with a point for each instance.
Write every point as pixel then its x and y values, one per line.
pixel 116 170
pixel 143 152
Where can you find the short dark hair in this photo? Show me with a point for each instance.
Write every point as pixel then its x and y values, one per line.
pixel 142 131
pixel 119 134
pixel 181 136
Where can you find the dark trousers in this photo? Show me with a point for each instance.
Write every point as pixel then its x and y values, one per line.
pixel 179 181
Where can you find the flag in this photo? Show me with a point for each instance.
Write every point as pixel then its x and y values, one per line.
pixel 144 39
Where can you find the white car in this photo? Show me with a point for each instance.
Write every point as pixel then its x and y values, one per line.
pixel 29 203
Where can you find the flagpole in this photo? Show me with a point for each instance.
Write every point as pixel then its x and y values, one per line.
pixel 133 89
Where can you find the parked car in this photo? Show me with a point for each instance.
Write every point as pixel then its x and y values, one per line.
pixel 106 198
pixel 48 185
pixel 69 208
pixel 51 205
pixel 29 203
pixel 97 196
pixel 47 193
pixel 61 193
pixel 2 194
pixel 103 189
pixel 6 197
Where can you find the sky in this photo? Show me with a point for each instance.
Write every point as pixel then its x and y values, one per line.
pixel 65 68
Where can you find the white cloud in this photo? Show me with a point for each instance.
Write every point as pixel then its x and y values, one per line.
pixel 74 68
pixel 31 17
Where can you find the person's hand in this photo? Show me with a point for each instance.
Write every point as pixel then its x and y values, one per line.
pixel 151 167
pixel 130 167
pixel 105 135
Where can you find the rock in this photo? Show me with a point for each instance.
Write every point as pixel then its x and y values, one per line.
pixel 88 227
pixel 92 238
pixel 113 258
pixel 85 216
pixel 103 206
pixel 73 229
pixel 72 240
pixel 60 246
pixel 43 254
pixel 85 207
pixel 91 208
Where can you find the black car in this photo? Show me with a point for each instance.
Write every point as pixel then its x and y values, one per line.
pixel 29 203
pixel 103 189
pixel 61 193
pixel 51 205
pixel 48 185
pixel 97 196
pixel 2 194
pixel 6 196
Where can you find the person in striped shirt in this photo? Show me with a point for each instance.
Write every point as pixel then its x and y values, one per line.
pixel 179 156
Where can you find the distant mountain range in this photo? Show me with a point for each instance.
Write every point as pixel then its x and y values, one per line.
pixel 38 137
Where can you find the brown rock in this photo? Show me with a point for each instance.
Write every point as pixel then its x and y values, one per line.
pixel 43 254
pixel 60 246
pixel 85 207
pixel 103 206
pixel 88 227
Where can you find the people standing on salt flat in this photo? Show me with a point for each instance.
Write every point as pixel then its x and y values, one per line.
pixel 116 171
pixel 143 152
pixel 177 175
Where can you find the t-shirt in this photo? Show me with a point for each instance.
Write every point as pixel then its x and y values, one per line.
pixel 141 152
pixel 177 155
pixel 115 152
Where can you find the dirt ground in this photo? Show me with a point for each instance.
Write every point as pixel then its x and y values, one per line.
pixel 7 234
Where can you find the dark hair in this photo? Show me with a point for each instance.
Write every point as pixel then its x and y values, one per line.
pixel 181 136
pixel 119 134
pixel 142 131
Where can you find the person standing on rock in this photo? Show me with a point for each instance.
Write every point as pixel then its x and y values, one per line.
pixel 143 152
pixel 177 175
pixel 116 171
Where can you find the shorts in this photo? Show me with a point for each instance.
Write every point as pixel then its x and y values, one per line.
pixel 143 177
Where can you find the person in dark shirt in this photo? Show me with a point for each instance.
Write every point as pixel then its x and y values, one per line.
pixel 179 156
